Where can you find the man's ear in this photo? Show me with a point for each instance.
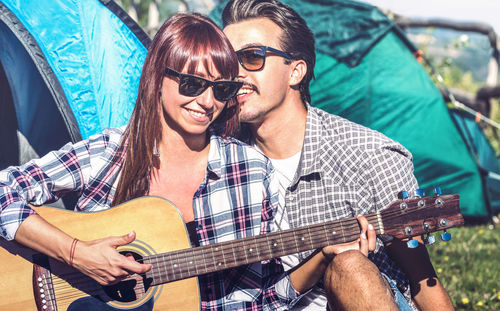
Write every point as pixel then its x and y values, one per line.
pixel 299 70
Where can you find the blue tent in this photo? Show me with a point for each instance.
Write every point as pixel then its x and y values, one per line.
pixel 68 69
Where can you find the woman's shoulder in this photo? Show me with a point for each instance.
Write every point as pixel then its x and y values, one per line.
pixel 233 146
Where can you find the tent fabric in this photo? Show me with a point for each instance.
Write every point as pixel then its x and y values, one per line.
pixel 484 155
pixel 96 58
pixel 366 72
pixel 28 104
pixel 89 58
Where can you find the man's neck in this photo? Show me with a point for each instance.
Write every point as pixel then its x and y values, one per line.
pixel 281 134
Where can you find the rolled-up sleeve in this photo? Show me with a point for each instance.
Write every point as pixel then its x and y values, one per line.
pixel 38 182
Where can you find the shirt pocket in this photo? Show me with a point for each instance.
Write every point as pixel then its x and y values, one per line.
pixel 341 201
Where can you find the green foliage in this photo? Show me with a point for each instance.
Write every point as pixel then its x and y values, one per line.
pixel 469 267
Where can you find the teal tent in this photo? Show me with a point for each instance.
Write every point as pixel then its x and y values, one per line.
pixel 69 69
pixel 366 72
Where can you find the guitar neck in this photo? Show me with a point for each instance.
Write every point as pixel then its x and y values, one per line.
pixel 186 263
pixel 401 219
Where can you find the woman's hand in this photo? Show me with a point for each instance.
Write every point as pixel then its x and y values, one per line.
pixel 100 260
pixel 366 242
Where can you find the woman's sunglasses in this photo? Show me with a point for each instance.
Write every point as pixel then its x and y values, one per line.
pixel 253 58
pixel 191 85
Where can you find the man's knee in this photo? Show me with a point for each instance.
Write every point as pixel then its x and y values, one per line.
pixel 347 262
pixel 349 266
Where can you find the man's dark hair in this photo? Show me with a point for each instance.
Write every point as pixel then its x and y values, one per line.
pixel 297 38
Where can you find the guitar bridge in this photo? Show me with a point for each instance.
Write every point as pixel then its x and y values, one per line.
pixel 43 289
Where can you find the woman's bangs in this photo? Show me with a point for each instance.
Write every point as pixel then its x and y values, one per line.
pixel 208 46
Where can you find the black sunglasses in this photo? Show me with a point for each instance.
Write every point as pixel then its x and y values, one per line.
pixel 191 85
pixel 253 58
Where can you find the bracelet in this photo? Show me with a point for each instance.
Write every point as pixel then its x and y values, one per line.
pixel 72 251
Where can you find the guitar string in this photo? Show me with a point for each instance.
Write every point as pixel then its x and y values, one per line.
pixel 155 273
pixel 386 216
pixel 321 230
pixel 283 236
pixel 318 227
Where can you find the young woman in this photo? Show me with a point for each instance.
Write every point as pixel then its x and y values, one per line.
pixel 175 146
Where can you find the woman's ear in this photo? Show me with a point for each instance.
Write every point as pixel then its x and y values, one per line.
pixel 299 70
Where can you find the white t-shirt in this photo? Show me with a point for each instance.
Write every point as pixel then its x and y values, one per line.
pixel 285 171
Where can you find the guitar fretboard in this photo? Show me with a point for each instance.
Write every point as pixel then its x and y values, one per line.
pixel 186 263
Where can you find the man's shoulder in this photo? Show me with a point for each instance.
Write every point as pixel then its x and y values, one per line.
pixel 342 132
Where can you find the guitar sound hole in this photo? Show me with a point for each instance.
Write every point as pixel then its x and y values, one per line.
pixel 130 289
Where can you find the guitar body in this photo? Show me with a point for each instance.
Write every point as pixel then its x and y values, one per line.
pixel 159 228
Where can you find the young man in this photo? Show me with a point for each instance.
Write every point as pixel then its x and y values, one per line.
pixel 329 168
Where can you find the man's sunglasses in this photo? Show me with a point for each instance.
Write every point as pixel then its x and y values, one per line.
pixel 191 85
pixel 253 58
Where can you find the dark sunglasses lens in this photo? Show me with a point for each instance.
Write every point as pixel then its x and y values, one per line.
pixel 224 91
pixel 252 58
pixel 192 86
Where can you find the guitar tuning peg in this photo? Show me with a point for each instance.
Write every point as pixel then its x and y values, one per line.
pixel 445 236
pixel 419 193
pixel 437 191
pixel 429 239
pixel 403 195
pixel 412 243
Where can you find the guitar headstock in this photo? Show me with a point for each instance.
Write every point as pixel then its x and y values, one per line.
pixel 412 217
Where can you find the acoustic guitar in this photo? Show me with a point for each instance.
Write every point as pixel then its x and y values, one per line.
pixel 33 281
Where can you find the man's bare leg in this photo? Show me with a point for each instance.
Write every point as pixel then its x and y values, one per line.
pixel 353 282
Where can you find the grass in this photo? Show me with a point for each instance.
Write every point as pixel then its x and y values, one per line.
pixel 469 266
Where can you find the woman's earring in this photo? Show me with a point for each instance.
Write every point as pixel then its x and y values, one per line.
pixel 156 152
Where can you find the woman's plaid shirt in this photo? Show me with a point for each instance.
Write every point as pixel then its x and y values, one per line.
pixel 236 199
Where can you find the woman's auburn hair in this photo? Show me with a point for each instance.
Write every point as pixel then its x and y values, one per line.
pixel 183 41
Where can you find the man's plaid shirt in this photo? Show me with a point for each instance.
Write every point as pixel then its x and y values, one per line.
pixel 236 199
pixel 347 170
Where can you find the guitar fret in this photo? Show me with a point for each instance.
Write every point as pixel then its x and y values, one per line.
pixel 184 264
pixel 157 265
pixel 244 248
pixel 342 230
pixel 281 243
pixel 295 240
pixel 164 263
pixel 204 260
pixel 167 259
pixel 223 263
pixel 327 234
pixel 235 259
pixel 253 250
pixel 193 262
pixel 177 266
pixel 310 239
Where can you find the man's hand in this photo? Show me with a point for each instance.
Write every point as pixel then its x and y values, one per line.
pixel 366 242
pixel 100 260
